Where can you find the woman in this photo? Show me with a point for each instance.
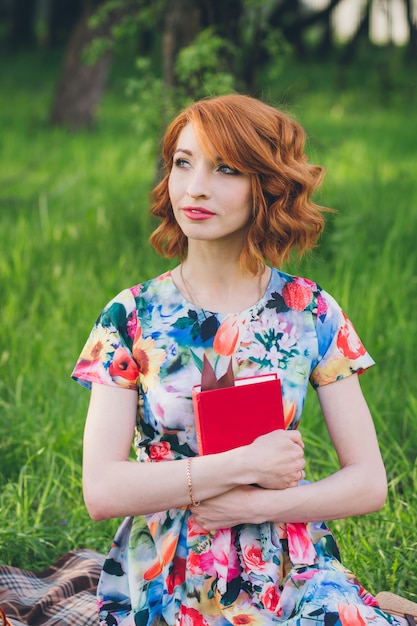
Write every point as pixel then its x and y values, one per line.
pixel 234 537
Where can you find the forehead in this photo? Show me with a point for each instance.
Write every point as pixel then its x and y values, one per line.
pixel 187 138
pixel 193 139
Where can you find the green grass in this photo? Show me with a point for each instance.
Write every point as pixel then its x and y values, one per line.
pixel 73 231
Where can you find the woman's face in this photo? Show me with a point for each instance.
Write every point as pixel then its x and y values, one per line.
pixel 211 201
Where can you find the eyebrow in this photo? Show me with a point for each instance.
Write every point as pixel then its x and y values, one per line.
pixel 190 153
pixel 183 150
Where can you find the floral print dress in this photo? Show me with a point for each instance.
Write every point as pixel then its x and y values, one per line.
pixel 165 569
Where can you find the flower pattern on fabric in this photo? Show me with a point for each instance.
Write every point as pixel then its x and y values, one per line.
pixel 165 566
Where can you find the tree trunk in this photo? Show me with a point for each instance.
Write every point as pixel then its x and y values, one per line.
pixel 81 85
pixel 293 20
pixel 182 24
pixel 412 27
pixel 362 32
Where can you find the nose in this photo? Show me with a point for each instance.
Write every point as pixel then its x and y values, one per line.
pixel 198 184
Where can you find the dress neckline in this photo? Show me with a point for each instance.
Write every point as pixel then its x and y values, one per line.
pixel 254 307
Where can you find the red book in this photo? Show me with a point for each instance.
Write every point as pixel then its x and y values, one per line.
pixel 230 417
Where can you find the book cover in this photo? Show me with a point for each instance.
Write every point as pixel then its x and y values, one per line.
pixel 235 416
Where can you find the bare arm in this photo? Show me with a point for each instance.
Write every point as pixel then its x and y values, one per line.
pixel 358 487
pixel 114 486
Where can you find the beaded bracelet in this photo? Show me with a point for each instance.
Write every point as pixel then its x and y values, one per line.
pixel 190 484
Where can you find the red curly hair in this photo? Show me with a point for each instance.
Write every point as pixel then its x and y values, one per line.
pixel 259 140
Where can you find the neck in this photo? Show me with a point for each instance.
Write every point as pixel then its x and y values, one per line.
pixel 214 261
pixel 222 289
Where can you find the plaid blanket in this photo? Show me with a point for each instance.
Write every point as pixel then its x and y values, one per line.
pixel 63 594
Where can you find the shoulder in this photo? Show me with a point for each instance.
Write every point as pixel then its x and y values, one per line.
pixel 297 293
pixel 131 297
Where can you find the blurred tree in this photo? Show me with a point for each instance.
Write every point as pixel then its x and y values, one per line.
pixel 295 19
pixel 45 23
pixel 411 13
pixel 82 82
pixel 19 19
pixel 42 20
pixel 63 16
pixel 361 33
pixel 252 32
pixel 182 24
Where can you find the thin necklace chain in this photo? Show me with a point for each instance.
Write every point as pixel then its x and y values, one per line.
pixel 191 297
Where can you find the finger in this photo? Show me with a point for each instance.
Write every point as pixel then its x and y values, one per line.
pixel 301 475
pixel 295 477
pixel 296 437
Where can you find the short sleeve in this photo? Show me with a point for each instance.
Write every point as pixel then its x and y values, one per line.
pixel 340 350
pixel 107 355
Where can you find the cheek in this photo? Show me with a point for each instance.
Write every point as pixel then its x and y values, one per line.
pixel 247 202
pixel 244 192
pixel 175 189
pixel 173 196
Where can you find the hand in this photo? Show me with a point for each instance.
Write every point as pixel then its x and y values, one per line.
pixel 229 509
pixel 278 459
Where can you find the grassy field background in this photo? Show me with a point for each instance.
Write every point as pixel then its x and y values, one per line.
pixel 73 231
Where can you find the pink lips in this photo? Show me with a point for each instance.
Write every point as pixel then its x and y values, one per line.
pixel 197 213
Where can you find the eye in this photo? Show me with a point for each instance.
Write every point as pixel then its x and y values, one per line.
pixel 225 169
pixel 181 162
